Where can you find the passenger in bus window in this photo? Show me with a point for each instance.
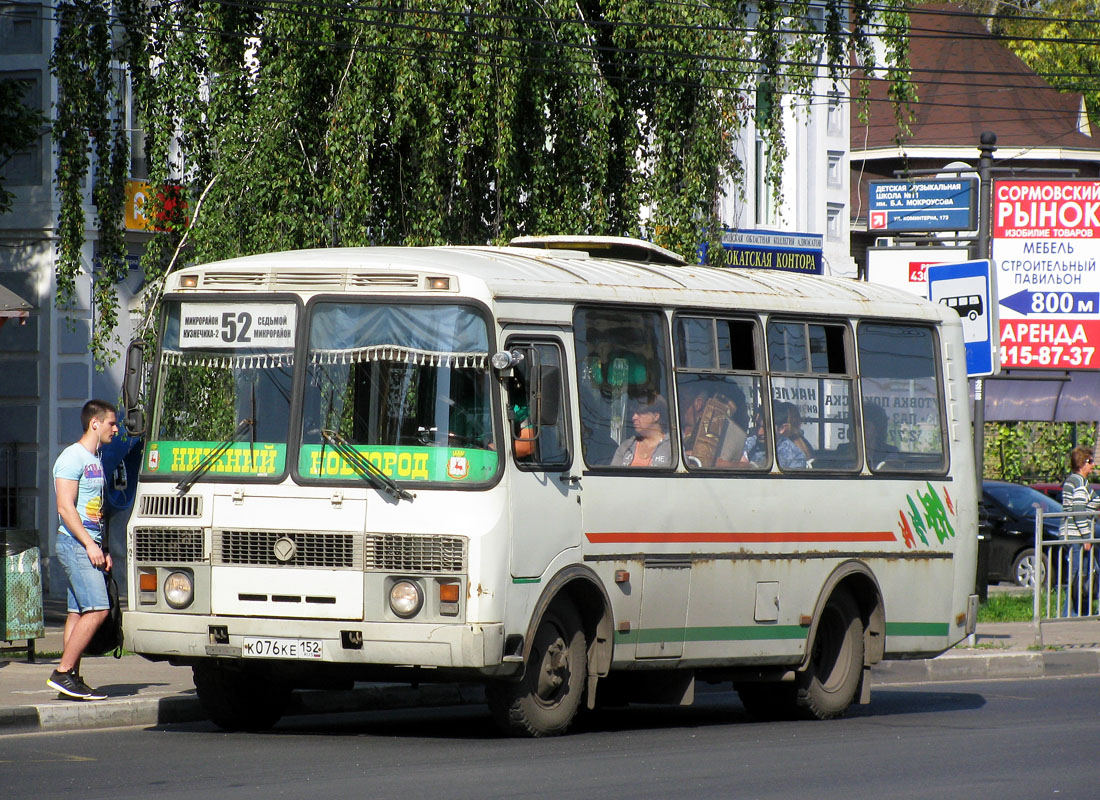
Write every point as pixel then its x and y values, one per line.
pixel 788 434
pixel 756 444
pixel 732 447
pixel 875 427
pixel 791 447
pixel 693 400
pixel 649 446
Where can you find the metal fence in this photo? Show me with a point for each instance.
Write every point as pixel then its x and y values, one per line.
pixel 1069 583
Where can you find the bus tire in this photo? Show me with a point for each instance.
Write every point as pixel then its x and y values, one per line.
pixel 546 700
pixel 828 685
pixel 240 700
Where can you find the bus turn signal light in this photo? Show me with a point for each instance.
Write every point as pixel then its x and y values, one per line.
pixel 147 581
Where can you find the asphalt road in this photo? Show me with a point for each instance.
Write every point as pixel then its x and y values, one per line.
pixel 997 739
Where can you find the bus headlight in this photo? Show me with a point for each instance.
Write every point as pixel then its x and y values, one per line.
pixel 179 589
pixel 405 599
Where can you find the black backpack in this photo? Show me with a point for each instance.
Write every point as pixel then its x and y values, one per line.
pixel 108 637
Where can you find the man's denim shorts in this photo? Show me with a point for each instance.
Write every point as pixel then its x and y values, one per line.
pixel 87 585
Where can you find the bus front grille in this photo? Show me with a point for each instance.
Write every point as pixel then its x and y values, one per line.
pixel 394 552
pixel 322 549
pixel 170 505
pixel 171 545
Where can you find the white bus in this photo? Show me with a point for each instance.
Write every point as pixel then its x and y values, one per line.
pixel 573 469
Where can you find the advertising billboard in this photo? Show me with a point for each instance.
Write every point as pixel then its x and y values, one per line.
pixel 907 267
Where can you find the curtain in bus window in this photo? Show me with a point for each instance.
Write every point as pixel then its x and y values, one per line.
pixel 902 410
pixel 622 363
pixel 405 385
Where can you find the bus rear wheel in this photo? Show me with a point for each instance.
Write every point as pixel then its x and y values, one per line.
pixel 828 685
pixel 247 699
pixel 546 700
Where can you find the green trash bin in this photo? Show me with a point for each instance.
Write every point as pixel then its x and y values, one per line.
pixel 21 587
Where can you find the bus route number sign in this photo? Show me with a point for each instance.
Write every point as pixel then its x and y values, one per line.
pixel 265 326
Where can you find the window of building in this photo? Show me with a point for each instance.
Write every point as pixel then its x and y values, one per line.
pixel 836 168
pixel 834 222
pixel 765 201
pixel 25 168
pixel 835 115
pixel 21 27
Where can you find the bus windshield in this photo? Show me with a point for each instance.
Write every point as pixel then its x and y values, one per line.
pixel 405 386
pixel 225 376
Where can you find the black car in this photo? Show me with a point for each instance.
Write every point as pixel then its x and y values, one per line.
pixel 1008 518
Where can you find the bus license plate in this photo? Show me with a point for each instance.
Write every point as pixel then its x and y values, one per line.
pixel 264 647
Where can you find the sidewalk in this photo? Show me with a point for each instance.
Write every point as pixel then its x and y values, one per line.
pixel 142 692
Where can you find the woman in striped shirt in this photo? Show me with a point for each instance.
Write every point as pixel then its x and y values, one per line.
pixel 1078 497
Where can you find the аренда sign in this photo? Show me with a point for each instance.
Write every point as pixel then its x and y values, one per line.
pixel 1046 244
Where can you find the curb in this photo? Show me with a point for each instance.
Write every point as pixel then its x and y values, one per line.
pixel 129 711
pixel 991 665
pixel 124 712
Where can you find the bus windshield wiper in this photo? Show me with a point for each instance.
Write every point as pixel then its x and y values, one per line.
pixel 363 465
pixel 212 457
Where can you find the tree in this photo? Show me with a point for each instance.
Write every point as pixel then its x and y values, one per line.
pixel 321 122
pixel 1058 39
pixel 20 126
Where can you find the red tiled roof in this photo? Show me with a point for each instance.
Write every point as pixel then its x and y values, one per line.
pixel 968 82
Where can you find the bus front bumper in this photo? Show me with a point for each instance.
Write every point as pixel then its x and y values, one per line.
pixel 191 637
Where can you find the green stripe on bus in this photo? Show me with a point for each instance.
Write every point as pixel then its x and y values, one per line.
pixel 760 632
pixel 711 634
pixel 526 580
pixel 917 628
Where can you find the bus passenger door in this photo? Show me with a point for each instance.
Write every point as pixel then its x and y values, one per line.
pixel 543 496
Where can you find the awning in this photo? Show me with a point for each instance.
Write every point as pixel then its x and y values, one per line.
pixel 1042 397
pixel 12 306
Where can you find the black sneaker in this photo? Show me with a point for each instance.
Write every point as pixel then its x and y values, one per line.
pixel 67 683
pixel 91 694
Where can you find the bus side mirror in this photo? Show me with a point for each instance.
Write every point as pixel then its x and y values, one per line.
pixel 133 414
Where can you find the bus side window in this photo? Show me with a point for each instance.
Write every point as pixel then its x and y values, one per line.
pixel 811 366
pixel 902 398
pixel 719 389
pixel 536 411
pixel 622 360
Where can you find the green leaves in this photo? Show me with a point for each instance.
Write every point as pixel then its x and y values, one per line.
pixel 1030 452
pixel 365 124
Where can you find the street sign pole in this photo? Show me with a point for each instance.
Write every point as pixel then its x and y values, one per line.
pixel 985 209
pixel 985 169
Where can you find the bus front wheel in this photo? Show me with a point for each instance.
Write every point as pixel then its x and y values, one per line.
pixel 828 685
pixel 240 699
pixel 545 701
